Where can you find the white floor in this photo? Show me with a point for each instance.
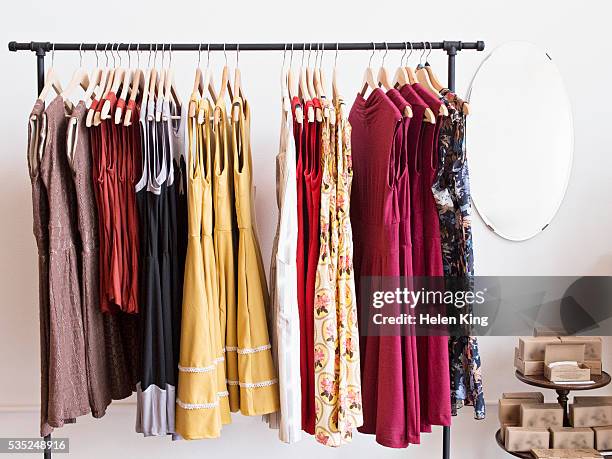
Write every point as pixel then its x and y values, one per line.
pixel 113 437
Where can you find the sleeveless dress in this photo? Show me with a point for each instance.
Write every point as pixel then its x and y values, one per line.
pixel 301 135
pixel 337 376
pixel 258 380
pixel 375 221
pixel 155 390
pixel 411 243
pixel 312 176
pixel 434 383
pixel 225 251
pixel 98 375
pixel 285 320
pixel 68 391
pixel 407 342
pixel 202 402
pixel 452 193
pixel 40 215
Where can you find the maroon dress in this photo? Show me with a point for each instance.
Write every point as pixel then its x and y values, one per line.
pixel 434 382
pixel 407 342
pixel 375 220
pixel 412 230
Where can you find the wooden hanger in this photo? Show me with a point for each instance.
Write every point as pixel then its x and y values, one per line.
pixel 170 91
pixel 51 80
pixel 125 88
pixel 237 87
pixel 119 78
pixel 79 78
pixel 96 88
pixel 103 90
pixel 292 87
pixel 94 80
pixel 303 89
pixel 336 95
pixel 368 76
pixel 401 76
pixel 161 84
pixel 150 92
pixel 310 85
pixel 225 86
pixel 198 89
pixel 137 86
pixel 423 79
pixel 207 85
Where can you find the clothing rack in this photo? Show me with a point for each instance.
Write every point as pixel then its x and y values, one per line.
pixel 41 48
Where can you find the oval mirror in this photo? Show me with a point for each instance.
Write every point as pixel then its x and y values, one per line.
pixel 519 140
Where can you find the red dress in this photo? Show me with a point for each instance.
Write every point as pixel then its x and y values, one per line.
pixel 312 177
pixel 375 218
pixel 299 132
pixel 434 382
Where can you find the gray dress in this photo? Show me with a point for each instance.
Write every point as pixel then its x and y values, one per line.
pixel 67 370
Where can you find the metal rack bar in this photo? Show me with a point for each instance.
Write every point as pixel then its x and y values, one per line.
pixel 450 47
pixel 48 46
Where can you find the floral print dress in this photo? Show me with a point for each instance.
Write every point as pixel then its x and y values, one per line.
pixel 451 190
pixel 336 349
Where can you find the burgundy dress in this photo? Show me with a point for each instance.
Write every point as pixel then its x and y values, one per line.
pixel 434 382
pixel 375 220
pixel 411 227
pixel 407 342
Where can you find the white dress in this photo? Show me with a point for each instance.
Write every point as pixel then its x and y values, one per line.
pixel 284 317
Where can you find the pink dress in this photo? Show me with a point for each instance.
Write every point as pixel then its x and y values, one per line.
pixel 375 218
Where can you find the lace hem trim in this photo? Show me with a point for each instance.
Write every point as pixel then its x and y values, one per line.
pixel 202 369
pixel 248 350
pixel 201 406
pixel 256 385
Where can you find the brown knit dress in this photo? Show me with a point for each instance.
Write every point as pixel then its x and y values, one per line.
pixel 67 379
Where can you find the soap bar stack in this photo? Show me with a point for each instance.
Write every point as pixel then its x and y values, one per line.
pixel 595 413
pixel 534 356
pixel 578 453
pixel 525 420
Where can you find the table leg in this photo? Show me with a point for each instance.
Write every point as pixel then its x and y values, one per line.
pixel 562 399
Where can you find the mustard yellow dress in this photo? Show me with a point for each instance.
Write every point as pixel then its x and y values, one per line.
pixel 225 253
pixel 258 379
pixel 202 401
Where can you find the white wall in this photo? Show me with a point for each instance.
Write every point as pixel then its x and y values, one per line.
pixel 578 241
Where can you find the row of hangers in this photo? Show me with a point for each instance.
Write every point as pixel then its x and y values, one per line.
pixel 128 83
pixel 309 84
pixel 125 83
pixel 405 74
